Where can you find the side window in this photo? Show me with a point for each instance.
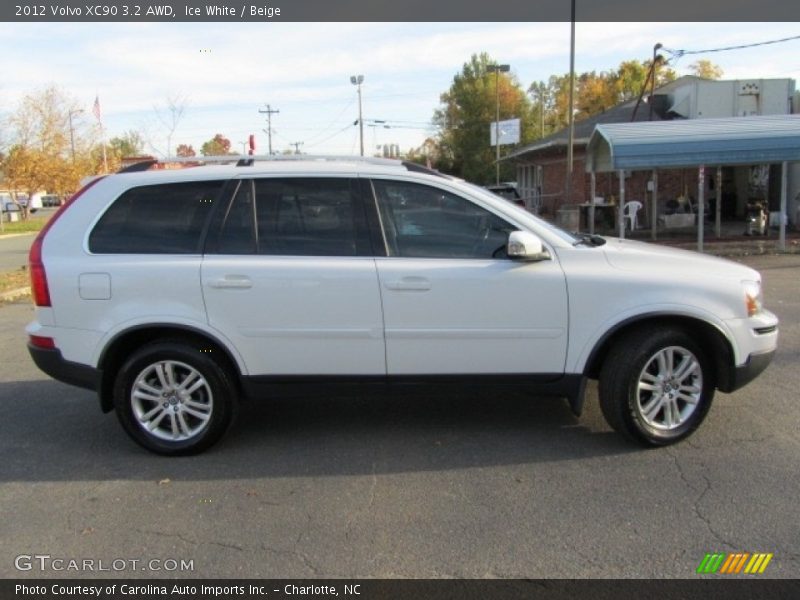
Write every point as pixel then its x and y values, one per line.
pixel 295 217
pixel 420 221
pixel 156 219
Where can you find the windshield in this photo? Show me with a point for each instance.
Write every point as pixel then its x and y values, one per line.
pixel 524 213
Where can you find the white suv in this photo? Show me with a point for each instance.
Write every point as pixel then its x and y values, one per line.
pixel 173 293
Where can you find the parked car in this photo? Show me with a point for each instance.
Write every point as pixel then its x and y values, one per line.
pixel 508 192
pixel 51 200
pixel 174 293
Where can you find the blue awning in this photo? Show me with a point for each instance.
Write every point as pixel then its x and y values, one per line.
pixel 678 143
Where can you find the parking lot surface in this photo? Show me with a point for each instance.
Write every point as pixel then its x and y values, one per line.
pixel 498 485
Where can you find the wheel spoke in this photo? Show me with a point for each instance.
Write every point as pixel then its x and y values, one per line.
pixel 149 414
pixel 169 371
pixel 686 368
pixel 154 423
pixel 689 399
pixel 196 385
pixel 146 395
pixel 651 410
pixel 161 376
pixel 197 414
pixel 144 386
pixel 661 358
pixel 648 377
pixel 173 423
pixel 189 379
pixel 184 426
pixel 198 405
pixel 647 387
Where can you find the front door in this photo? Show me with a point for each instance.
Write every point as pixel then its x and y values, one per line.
pixel 453 303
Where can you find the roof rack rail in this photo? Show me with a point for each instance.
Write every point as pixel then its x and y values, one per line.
pixel 247 160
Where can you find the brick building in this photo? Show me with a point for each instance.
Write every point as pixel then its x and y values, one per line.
pixel 542 171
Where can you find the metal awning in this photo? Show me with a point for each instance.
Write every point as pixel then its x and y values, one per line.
pixel 700 143
pixel 678 143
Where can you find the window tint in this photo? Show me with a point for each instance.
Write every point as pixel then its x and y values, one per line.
pixel 239 234
pixel 426 222
pixel 156 219
pixel 295 217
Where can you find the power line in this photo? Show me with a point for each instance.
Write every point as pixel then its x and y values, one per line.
pixel 680 53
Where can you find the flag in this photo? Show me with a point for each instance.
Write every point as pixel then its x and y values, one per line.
pixel 96 109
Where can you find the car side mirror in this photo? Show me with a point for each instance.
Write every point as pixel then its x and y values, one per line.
pixel 523 245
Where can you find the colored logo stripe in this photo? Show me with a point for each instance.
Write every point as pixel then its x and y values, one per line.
pixel 733 563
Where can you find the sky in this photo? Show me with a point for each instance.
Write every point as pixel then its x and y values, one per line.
pixel 226 72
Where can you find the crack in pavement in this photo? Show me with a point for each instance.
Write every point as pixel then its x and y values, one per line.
pixel 297 554
pixel 698 500
pixel 190 541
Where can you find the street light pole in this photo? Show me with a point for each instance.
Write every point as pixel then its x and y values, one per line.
pixel 497 69
pixel 357 80
pixel 72 131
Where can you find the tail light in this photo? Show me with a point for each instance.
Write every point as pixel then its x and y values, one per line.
pixel 39 288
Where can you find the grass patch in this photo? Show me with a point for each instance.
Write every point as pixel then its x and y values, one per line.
pixel 32 224
pixel 11 280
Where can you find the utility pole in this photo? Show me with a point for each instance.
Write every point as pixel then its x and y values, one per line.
pixel 296 146
pixel 571 109
pixel 357 80
pixel 497 69
pixel 269 112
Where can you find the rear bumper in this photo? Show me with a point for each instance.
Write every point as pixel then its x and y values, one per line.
pixel 53 364
pixel 744 374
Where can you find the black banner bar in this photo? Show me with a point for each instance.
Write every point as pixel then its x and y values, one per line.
pixel 404 11
pixel 282 589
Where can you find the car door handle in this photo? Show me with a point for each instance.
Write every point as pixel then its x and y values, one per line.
pixel 412 284
pixel 237 282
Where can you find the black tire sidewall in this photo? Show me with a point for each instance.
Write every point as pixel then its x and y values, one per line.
pixel 219 382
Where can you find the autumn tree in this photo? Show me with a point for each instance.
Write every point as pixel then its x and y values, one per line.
pixel 51 149
pixel 467 111
pixel 219 145
pixel 594 92
pixel 185 151
pixel 706 69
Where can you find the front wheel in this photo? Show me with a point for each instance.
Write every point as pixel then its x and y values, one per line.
pixel 656 386
pixel 174 399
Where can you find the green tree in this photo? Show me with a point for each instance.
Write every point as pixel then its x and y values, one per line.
pixel 706 69
pixel 130 143
pixel 219 145
pixel 466 112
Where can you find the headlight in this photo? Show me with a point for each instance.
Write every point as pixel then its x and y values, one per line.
pixel 753 300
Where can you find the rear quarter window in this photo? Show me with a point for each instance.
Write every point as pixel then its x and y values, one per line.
pixel 156 219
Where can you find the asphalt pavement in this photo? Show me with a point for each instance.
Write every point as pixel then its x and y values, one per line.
pixel 14 250
pixel 498 485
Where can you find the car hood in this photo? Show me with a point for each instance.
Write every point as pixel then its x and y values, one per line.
pixel 629 255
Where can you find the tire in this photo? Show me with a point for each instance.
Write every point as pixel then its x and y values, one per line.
pixel 656 386
pixel 173 399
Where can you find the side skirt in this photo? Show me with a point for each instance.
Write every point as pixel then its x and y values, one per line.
pixel 570 386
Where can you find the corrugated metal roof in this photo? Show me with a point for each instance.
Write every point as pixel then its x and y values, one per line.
pixel 669 144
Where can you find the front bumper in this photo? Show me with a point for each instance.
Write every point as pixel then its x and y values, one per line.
pixel 752 368
pixel 53 364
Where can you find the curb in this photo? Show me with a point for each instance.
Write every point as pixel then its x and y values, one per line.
pixel 8 236
pixel 14 294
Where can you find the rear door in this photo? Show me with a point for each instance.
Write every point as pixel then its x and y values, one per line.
pixel 453 302
pixel 289 278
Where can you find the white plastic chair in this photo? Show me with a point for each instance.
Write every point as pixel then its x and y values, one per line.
pixel 629 212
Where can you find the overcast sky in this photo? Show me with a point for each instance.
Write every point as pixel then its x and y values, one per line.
pixel 228 71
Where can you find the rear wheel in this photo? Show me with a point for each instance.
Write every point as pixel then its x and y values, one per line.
pixel 656 386
pixel 171 398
